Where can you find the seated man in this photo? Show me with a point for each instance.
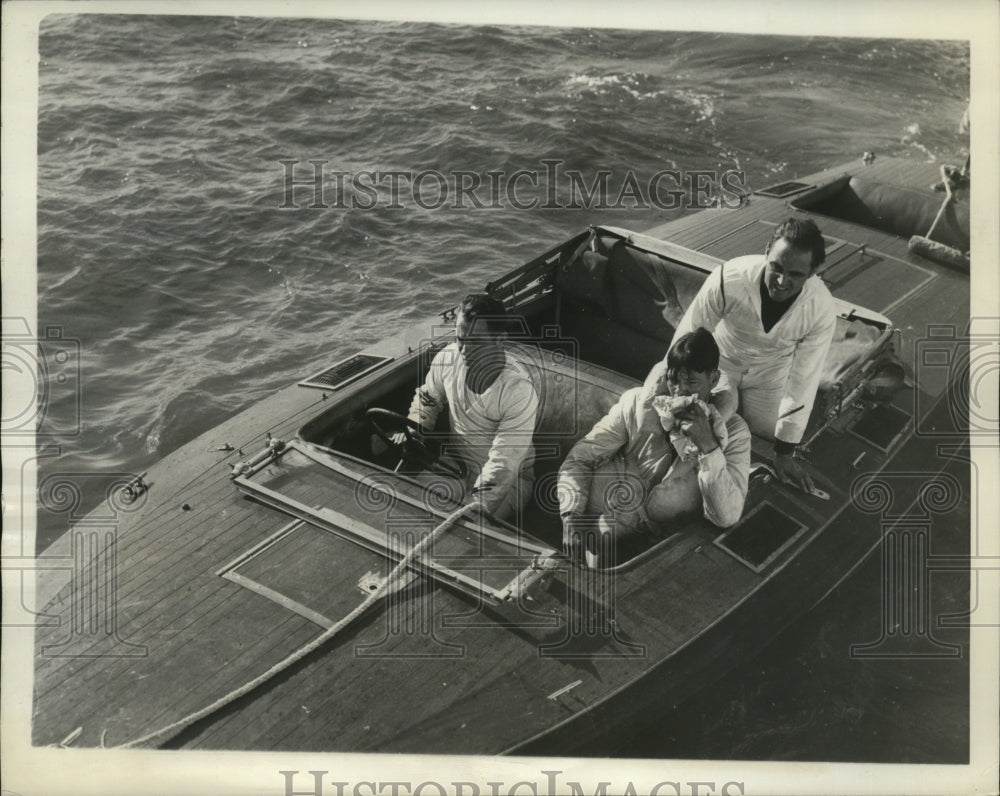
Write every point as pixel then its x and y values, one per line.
pixel 491 406
pixel 664 453
pixel 774 324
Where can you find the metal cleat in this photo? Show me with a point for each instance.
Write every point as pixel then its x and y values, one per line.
pixel 273 448
pixel 134 488
pixel 762 467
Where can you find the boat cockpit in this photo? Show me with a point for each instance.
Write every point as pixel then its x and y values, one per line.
pixel 594 315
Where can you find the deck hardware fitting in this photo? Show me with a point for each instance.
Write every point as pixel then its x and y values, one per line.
pixel 273 446
pixel 369 582
pixel 857 461
pixel 565 689
pixel 541 565
pixel 134 488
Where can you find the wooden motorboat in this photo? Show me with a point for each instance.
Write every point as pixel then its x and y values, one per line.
pixel 276 584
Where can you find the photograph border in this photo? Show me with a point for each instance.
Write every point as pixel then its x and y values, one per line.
pixel 30 770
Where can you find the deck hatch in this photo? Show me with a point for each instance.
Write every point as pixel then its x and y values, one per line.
pixel 761 536
pixel 881 426
pixel 753 237
pixel 783 189
pixel 344 372
pixel 260 570
pixel 370 508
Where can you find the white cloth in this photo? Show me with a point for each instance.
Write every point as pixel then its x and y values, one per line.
pixel 490 431
pixel 668 406
pixel 776 372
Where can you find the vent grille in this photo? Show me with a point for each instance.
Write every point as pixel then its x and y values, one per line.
pixel 783 189
pixel 344 372
pixel 761 536
pixel 881 426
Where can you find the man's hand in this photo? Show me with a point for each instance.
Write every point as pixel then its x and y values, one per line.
pixel 574 545
pixel 794 471
pixel 696 425
pixel 399 438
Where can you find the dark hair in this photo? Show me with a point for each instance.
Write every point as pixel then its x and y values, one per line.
pixel 695 351
pixel 802 234
pixel 482 305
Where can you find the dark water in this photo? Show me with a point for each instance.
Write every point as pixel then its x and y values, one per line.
pixel 164 250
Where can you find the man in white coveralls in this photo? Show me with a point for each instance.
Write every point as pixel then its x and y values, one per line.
pixel 491 404
pixel 774 321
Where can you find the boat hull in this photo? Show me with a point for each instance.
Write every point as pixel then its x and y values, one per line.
pixel 199 582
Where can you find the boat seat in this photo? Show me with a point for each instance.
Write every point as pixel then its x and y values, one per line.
pixel 572 396
pixel 622 304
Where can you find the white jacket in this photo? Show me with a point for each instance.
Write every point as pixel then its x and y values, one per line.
pixel 492 431
pixel 794 350
pixel 716 482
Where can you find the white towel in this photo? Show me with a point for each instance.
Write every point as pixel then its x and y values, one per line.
pixel 667 407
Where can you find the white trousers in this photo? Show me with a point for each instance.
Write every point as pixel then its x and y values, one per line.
pixel 760 391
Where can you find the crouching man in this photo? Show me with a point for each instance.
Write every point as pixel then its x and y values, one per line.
pixel 662 455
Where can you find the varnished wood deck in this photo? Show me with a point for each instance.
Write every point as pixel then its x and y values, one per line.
pixel 170 635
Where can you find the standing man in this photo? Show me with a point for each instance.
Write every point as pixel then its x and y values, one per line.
pixel 491 405
pixel 774 323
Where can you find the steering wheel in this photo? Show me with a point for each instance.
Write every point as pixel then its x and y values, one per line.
pixel 413 449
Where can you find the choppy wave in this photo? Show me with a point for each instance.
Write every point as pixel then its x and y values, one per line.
pixel 163 248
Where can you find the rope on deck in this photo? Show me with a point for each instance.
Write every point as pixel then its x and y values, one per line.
pixel 164 734
pixel 933 250
pixel 946 180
